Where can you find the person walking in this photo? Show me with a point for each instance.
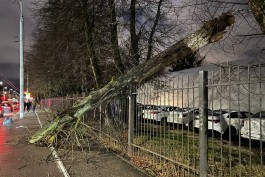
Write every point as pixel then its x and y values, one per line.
pixel 25 105
pixel 34 104
pixel 28 105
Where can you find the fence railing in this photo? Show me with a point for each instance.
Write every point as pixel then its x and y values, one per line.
pixel 190 124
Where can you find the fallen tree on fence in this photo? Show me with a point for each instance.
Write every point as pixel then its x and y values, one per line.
pixel 211 31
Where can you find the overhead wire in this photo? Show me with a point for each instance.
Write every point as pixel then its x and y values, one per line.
pixel 8 82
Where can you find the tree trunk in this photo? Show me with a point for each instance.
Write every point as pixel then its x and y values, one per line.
pixel 89 30
pixel 150 39
pixel 134 37
pixel 181 50
pixel 114 37
pixel 258 10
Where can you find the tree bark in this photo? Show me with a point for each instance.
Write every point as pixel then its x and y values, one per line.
pixel 150 39
pixel 89 29
pixel 134 36
pixel 114 37
pixel 258 10
pixel 180 50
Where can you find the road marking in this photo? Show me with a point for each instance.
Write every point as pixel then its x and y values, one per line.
pixel 55 155
pixel 38 119
pixel 21 126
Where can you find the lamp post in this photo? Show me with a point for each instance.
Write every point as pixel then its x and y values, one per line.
pixel 21 95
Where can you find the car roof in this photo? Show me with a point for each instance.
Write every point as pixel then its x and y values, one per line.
pixel 7 102
pixel 256 115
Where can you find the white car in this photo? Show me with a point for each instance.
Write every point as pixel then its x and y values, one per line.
pixel 156 113
pixel 182 116
pixel 254 127
pixel 222 121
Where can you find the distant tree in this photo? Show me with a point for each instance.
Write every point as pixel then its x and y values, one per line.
pixel 63 44
pixel 145 29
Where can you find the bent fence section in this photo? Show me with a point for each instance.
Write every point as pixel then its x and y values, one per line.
pixel 188 124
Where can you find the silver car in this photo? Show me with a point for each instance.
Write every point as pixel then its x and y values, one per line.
pixel 254 127
pixel 182 115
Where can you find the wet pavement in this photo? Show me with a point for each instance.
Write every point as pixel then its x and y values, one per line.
pixel 18 158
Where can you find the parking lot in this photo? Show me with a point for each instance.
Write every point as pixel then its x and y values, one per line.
pixel 221 122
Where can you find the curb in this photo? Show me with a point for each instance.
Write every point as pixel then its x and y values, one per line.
pixel 133 165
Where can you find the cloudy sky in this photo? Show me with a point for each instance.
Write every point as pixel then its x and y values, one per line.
pixel 9 34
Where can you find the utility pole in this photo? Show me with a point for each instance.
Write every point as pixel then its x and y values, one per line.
pixel 21 40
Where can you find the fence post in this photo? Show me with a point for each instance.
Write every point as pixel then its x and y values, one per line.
pixel 132 103
pixel 100 121
pixel 203 135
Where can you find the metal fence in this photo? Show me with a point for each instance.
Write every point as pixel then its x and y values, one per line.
pixel 187 124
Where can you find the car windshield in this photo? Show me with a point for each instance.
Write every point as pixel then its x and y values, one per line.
pixel 179 110
pixel 259 114
pixel 6 104
pixel 172 108
pixel 218 112
pixel 153 107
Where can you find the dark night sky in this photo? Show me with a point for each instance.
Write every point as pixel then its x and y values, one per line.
pixel 9 34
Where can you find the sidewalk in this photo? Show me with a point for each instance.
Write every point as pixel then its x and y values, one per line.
pixel 20 159
pixel 17 157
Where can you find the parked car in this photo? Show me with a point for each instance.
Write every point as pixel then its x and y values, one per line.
pixel 8 104
pixel 1 112
pixel 182 115
pixel 7 111
pixel 15 105
pixel 156 113
pixel 223 121
pixel 254 127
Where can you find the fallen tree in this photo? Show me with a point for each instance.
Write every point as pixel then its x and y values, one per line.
pixel 211 31
pixel 258 10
